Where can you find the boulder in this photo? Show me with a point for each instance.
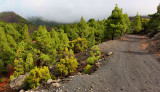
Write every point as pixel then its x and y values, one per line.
pixel 16 84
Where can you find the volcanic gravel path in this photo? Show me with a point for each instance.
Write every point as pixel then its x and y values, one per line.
pixel 129 69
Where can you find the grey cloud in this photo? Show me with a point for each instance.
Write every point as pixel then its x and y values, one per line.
pixel 72 10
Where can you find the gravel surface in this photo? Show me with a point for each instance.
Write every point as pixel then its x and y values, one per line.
pixel 129 69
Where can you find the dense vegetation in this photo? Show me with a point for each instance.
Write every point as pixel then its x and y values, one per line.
pixel 33 52
pixel 154 22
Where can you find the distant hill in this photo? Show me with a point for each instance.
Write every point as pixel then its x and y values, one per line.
pixel 12 17
pixel 40 21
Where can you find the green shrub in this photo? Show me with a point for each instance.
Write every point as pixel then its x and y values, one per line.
pixel 37 76
pixel 67 65
pixel 91 60
pixel 65 53
pixel 87 68
pixel 95 55
pixel 53 77
pixel 79 44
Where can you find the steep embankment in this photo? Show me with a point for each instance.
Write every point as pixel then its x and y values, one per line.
pixel 154 44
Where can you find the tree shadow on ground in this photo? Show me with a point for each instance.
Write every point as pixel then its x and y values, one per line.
pixel 138 53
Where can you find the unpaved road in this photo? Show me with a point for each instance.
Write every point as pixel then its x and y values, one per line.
pixel 130 69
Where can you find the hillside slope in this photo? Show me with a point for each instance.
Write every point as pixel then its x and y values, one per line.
pixel 12 17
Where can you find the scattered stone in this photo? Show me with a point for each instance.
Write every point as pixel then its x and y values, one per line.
pixel 56 81
pixel 49 81
pixel 146 82
pixel 91 90
pixel 55 85
pixel 79 73
pixel 71 76
pixel 21 90
pixel 51 67
pixel 66 90
pixel 110 53
pixel 78 88
pixel 98 64
pixel 92 86
pixel 59 91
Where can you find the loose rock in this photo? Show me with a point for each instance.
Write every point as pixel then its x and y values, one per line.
pixel 49 81
pixel 110 53
pixel 16 84
pixel 55 85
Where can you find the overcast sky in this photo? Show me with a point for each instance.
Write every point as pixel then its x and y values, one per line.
pixel 72 10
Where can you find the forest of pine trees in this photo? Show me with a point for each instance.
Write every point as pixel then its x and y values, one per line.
pixel 32 52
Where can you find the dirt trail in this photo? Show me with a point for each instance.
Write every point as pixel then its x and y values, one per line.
pixel 130 69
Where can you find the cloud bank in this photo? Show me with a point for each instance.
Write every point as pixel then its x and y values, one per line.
pixel 68 11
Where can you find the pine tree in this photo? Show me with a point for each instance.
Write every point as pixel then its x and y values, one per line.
pixel 25 35
pixel 19 67
pixel 29 62
pixel 6 52
pixel 64 41
pixel 47 43
pixel 92 23
pixel 128 23
pixel 136 24
pixel 154 22
pixel 55 37
pixel 43 39
pixel 9 29
pixel 144 22
pixel 11 41
pixel 18 63
pixel 115 24
pixel 83 28
pixel 91 37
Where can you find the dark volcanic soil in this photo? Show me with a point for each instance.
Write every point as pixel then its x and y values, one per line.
pixel 130 69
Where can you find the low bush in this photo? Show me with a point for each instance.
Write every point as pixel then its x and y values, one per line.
pixel 79 44
pixel 67 65
pixel 87 68
pixel 95 55
pixel 37 76
pixel 91 60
